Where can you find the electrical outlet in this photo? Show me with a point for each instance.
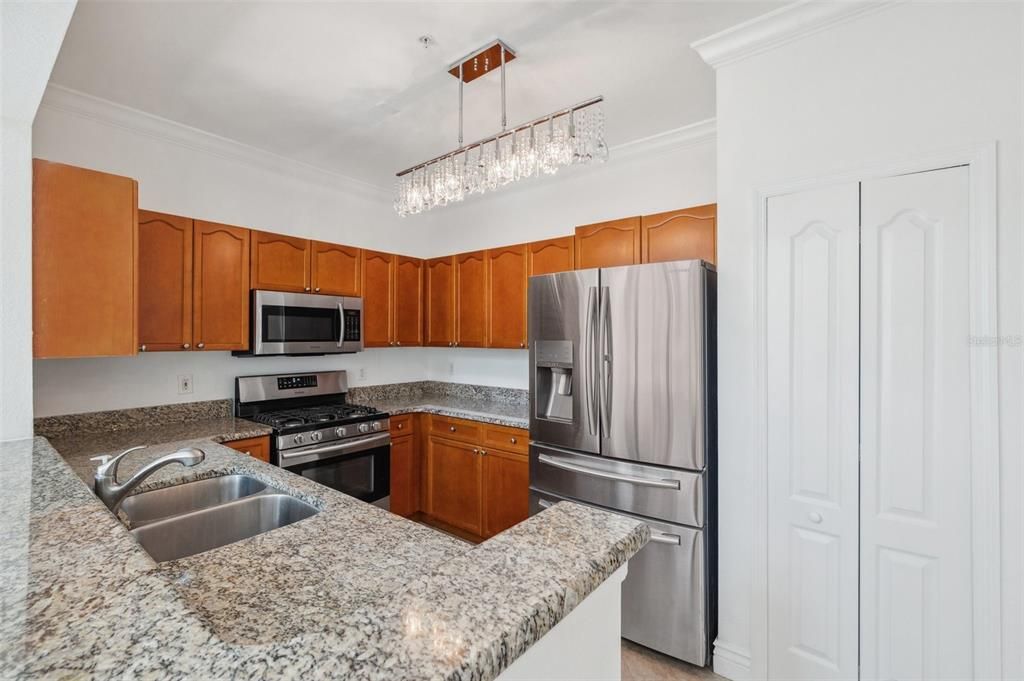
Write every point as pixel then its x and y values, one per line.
pixel 362 373
pixel 451 368
pixel 185 384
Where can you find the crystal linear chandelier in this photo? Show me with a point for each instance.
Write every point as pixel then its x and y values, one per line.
pixel 569 136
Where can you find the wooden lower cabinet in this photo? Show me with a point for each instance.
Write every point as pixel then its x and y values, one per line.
pixel 256 447
pixel 506 490
pixel 404 476
pixel 453 484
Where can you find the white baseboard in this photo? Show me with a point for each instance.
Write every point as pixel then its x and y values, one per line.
pixel 731 662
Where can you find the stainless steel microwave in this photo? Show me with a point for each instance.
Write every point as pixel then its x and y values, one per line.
pixel 305 324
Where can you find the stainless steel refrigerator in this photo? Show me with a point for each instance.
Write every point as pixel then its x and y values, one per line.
pixel 622 416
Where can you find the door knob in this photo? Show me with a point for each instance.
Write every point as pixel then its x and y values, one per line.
pixel 815 517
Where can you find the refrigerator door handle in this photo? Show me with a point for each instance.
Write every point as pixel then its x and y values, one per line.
pixel 606 362
pixel 663 483
pixel 665 538
pixel 590 395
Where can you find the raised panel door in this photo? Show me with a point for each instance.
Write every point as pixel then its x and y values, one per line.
pixel 220 287
pixel 408 301
pixel 687 234
pixel 256 447
pixel 506 490
pixel 608 244
pixel 165 282
pixel 84 255
pixel 506 297
pixel 470 300
pixel 378 298
pixel 404 476
pixel 279 262
pixel 453 483
pixel 439 294
pixel 550 256
pixel 812 374
pixel 335 269
pixel 918 619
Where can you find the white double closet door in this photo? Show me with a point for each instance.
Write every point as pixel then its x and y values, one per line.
pixel 868 430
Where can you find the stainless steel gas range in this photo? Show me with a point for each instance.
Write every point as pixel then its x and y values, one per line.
pixel 318 434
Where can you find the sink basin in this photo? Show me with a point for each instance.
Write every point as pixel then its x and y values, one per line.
pixel 148 507
pixel 186 535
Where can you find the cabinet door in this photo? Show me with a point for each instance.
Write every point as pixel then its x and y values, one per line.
pixel 279 262
pixel 470 300
pixel 84 255
pixel 408 301
pixel 505 487
pixel 404 476
pixel 440 301
pixel 335 269
pixel 378 299
pixel 551 255
pixel 256 447
pixel 687 234
pixel 165 282
pixel 506 297
pixel 453 483
pixel 608 244
pixel 220 287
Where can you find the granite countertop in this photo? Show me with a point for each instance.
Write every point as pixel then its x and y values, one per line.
pixel 474 409
pixel 353 592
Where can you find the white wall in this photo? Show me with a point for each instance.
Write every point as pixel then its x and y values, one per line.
pixel 888 85
pixel 30 36
pixel 187 172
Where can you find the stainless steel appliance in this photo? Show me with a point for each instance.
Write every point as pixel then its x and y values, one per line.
pixel 622 416
pixel 304 324
pixel 317 434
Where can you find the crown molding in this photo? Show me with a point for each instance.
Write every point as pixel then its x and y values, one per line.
pixel 69 101
pixel 676 138
pixel 779 27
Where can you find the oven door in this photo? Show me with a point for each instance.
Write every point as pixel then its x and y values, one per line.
pixel 305 324
pixel 359 467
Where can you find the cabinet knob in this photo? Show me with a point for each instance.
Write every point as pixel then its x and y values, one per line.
pixel 513 440
pixel 476 451
pixel 200 345
pixel 522 345
pixel 142 348
pixel 450 344
pixel 248 453
pixel 456 343
pixel 398 342
pixel 186 345
pixel 317 289
pixel 483 452
pixel 401 425
pixel 815 517
pixel 307 288
pixel 452 428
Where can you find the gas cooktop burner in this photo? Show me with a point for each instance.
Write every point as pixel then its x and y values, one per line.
pixel 292 418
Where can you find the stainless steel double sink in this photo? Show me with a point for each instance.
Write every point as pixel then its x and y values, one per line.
pixel 183 520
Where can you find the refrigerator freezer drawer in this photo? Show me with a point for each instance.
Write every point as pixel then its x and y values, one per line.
pixel 673 495
pixel 665 602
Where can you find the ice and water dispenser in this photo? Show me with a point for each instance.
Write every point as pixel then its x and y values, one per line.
pixel 553 367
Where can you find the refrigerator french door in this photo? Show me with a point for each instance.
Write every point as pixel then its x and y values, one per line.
pixel 622 417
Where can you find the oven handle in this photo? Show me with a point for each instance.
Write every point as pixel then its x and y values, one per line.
pixel 354 445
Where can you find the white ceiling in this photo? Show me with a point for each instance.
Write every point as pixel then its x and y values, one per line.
pixel 345 86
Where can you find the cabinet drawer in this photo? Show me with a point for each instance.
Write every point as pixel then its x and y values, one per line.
pixel 508 439
pixel 256 447
pixel 402 424
pixel 455 429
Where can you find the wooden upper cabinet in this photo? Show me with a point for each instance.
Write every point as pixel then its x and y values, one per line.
pixel 279 262
pixel 608 244
pixel 220 283
pixel 687 234
pixel 378 296
pixel 550 256
pixel 439 294
pixel 506 297
pixel 165 282
pixel 471 300
pixel 408 305
pixel 84 255
pixel 335 269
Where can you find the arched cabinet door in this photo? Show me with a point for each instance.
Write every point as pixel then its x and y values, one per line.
pixel 439 294
pixel 378 295
pixel 220 286
pixel 608 244
pixel 551 255
pixel 471 300
pixel 335 269
pixel 280 263
pixel 165 282
pixel 687 234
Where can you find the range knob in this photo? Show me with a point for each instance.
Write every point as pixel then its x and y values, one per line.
pixel 299 439
pixel 316 436
pixel 376 425
pixel 341 431
pixel 364 427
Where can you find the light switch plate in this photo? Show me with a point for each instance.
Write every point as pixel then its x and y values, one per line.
pixel 185 384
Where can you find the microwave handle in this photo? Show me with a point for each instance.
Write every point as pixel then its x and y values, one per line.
pixel 341 322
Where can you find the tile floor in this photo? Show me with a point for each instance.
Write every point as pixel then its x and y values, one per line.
pixel 644 664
